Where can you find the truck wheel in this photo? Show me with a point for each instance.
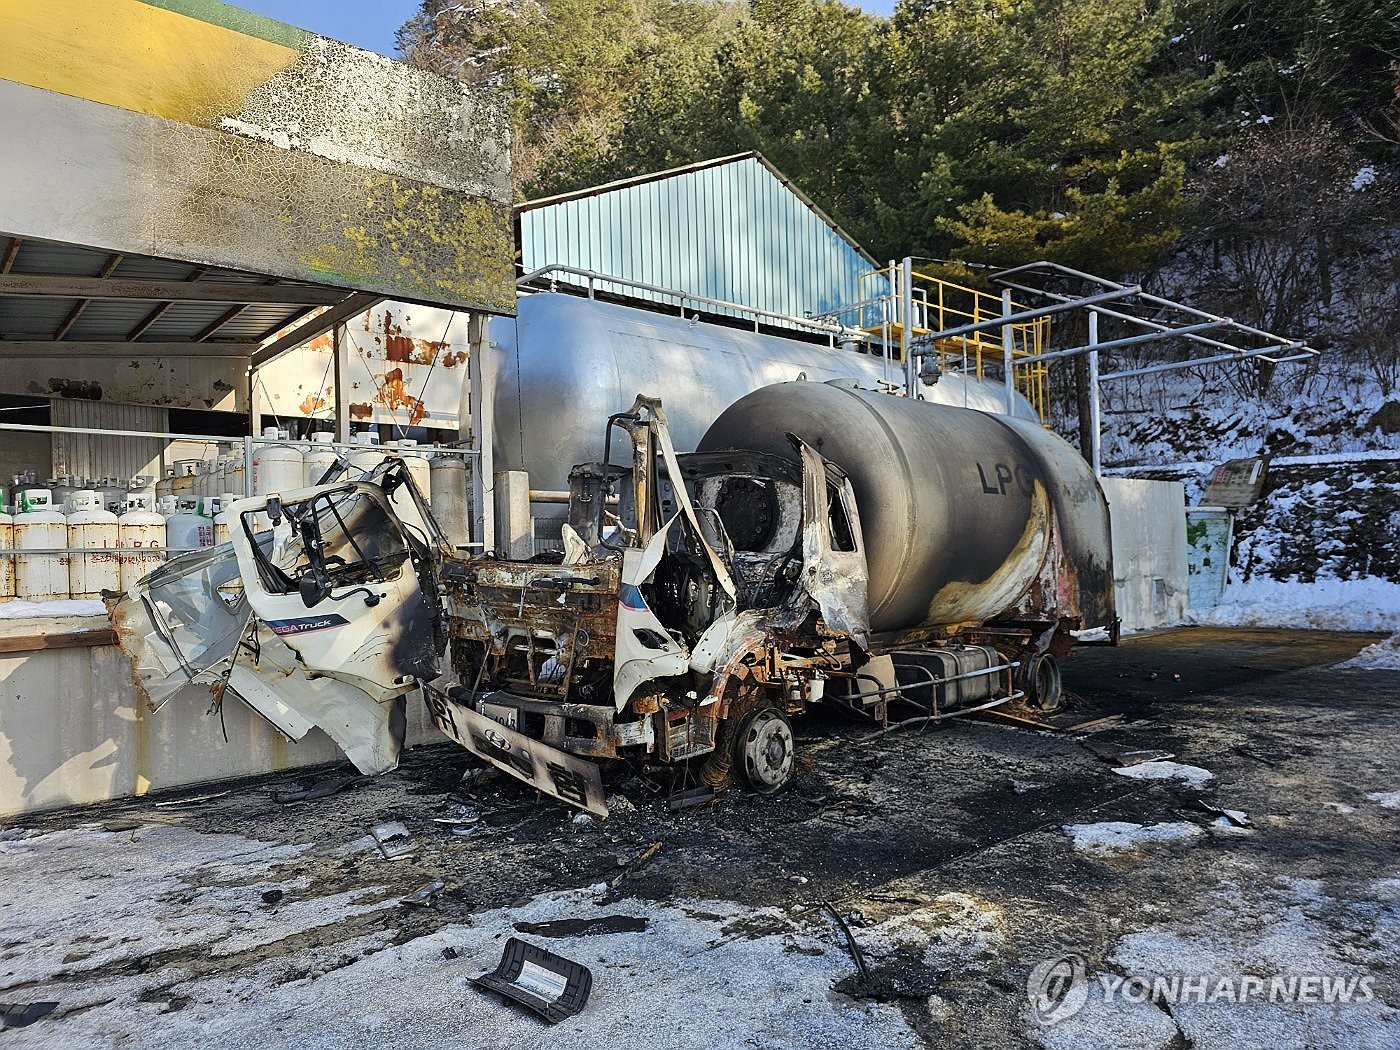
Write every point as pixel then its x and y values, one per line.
pixel 1042 683
pixel 763 750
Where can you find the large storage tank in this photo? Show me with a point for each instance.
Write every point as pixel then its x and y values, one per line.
pixel 567 363
pixel 959 510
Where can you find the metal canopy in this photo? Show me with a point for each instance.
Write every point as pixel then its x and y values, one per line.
pixel 67 300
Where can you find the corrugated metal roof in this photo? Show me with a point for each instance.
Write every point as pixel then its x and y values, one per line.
pixel 734 228
pixel 44 316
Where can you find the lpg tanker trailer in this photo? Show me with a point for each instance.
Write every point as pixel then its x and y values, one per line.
pixel 825 545
pixel 567 361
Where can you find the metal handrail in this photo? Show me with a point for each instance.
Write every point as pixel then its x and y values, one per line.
pixel 828 328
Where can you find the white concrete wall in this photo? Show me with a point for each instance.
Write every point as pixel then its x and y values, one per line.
pixel 1149 551
pixel 73 731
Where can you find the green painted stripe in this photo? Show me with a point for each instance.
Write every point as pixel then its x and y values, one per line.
pixel 237 19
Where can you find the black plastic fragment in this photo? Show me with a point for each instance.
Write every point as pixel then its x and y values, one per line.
pixel 18 1015
pixel 321 789
pixel 585 927
pixel 552 986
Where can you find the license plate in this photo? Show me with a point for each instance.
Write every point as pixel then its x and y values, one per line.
pixel 507 716
pixel 566 777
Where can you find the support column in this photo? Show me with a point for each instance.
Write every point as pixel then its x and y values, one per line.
pixel 1008 346
pixel 906 327
pixel 340 347
pixel 255 402
pixel 1095 420
pixel 476 416
pixel 516 538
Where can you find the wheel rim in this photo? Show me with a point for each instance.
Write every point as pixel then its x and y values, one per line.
pixel 768 751
pixel 1046 684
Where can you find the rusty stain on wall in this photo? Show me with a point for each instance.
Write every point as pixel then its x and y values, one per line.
pixel 394 396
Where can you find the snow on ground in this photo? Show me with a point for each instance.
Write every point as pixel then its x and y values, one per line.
pixel 1112 837
pixel 163 888
pixel 702 974
pixel 1385 799
pixel 1382 656
pixel 1369 604
pixel 1195 776
pixel 19 608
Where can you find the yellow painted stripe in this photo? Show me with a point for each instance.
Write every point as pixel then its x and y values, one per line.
pixel 135 56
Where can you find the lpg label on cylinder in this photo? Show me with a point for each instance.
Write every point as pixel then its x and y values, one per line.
pixel 306 624
pixel 1002 475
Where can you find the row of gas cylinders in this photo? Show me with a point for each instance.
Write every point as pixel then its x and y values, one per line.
pixel 280 465
pixel 131 537
pixel 124 547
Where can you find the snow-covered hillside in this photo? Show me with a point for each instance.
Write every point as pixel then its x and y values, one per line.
pixel 1322 546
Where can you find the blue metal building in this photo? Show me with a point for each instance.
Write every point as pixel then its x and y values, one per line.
pixel 733 229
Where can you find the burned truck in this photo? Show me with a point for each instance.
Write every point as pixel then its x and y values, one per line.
pixel 824 545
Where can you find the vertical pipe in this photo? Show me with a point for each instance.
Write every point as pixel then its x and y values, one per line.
pixel 255 405
pixel 1095 422
pixel 480 412
pixel 248 465
pixel 906 325
pixel 1008 343
pixel 340 344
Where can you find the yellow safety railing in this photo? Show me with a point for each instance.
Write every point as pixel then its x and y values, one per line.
pixel 939 305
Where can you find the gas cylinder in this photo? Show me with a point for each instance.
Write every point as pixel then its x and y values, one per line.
pixel 186 471
pixel 448 481
pixel 277 467
pixel 217 509
pixel 237 472
pixel 321 457
pixel 416 459
pixel 38 526
pixel 91 526
pixel 61 489
pixel 166 485
pixel 187 529
pixel 367 455
pixel 142 528
pixel 7 560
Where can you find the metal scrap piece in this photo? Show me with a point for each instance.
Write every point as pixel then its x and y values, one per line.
pixel 424 896
pixel 394 840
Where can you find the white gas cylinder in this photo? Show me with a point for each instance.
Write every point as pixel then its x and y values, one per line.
pixel 416 459
pixel 367 455
pixel 449 497
pixel 142 528
pixel 92 527
pixel 321 457
pixel 187 529
pixel 38 526
pixel 277 467
pixel 7 560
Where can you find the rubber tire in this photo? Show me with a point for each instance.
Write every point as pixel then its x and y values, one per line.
pixel 1043 684
pixel 749 728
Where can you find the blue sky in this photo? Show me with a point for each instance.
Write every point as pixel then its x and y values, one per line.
pixel 371 23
